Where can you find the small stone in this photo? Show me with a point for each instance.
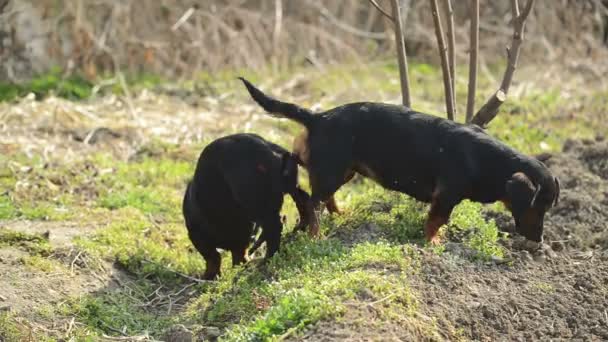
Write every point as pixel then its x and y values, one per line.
pixel 525 256
pixel 531 245
pixel 178 333
pixel 209 333
pixel 549 253
pixel 557 246
pixel 474 305
pixel 498 260
pixel 540 257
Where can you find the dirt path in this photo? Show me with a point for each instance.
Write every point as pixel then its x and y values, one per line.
pixel 28 282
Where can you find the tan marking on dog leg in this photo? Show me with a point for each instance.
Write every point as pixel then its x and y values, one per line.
pixel 301 148
pixel 331 205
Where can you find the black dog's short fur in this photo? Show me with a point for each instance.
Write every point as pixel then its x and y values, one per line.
pixel 240 180
pixel 429 158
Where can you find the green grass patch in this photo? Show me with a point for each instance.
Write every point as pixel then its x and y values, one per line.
pixel 72 87
pixel 36 244
pixel 479 235
pixel 7 208
pixel 39 263
pixel 115 312
pixel 10 330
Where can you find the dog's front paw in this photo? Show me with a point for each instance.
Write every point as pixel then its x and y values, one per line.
pixel 435 241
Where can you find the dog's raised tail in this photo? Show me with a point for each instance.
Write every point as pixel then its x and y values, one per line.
pixel 278 108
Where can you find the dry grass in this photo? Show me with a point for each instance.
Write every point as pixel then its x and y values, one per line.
pixel 183 38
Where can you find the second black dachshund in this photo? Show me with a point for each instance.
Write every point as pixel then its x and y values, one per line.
pixel 240 180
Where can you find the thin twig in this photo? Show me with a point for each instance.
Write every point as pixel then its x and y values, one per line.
pixel 473 50
pixel 70 327
pixel 447 81
pixel 178 273
pixel 183 19
pixel 490 109
pixel 401 55
pixel 451 48
pixel 74 261
pixel 344 26
pixel 375 4
pixel 381 300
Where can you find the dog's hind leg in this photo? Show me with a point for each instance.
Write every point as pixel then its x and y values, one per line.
pixel 329 168
pixel 443 202
pixel 239 255
pixel 304 206
pixel 213 259
pixel 271 230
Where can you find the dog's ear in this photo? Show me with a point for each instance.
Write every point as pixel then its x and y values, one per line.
pixel 556 198
pixel 543 157
pixel 521 192
pixel 288 164
pixel 289 171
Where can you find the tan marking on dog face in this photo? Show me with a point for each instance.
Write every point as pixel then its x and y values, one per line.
pixel 300 147
pixel 531 218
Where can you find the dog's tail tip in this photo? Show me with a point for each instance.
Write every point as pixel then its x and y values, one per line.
pixel 277 108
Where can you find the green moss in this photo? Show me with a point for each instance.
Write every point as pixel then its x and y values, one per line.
pixel 7 209
pixel 116 313
pixel 480 235
pixel 33 243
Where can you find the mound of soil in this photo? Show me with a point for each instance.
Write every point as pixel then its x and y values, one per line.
pixel 563 298
pixel 581 217
pixel 540 296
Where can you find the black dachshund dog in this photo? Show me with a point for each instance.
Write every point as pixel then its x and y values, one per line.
pixel 432 159
pixel 240 181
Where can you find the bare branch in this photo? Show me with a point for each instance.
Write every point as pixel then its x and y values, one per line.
pixel 345 26
pixel 375 4
pixel 473 50
pixel 3 4
pixel 401 55
pixel 447 78
pixel 490 109
pixel 447 4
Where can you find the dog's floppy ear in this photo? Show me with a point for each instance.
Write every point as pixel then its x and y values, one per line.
pixel 521 192
pixel 556 199
pixel 289 171
pixel 288 164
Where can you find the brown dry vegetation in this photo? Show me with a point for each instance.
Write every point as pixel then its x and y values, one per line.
pixel 94 37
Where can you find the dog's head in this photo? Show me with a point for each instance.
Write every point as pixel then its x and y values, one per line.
pixel 529 202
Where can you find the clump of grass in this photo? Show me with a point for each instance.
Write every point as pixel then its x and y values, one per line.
pixel 10 330
pixel 32 243
pixel 115 312
pixel 144 247
pixel 72 87
pixel 7 208
pixel 480 235
pixel 293 311
pixel 39 263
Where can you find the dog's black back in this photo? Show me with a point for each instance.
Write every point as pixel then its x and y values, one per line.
pixel 239 180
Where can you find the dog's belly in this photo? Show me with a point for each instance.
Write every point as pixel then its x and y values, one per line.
pixel 419 187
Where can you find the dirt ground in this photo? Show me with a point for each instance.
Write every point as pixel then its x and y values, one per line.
pixel 559 292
